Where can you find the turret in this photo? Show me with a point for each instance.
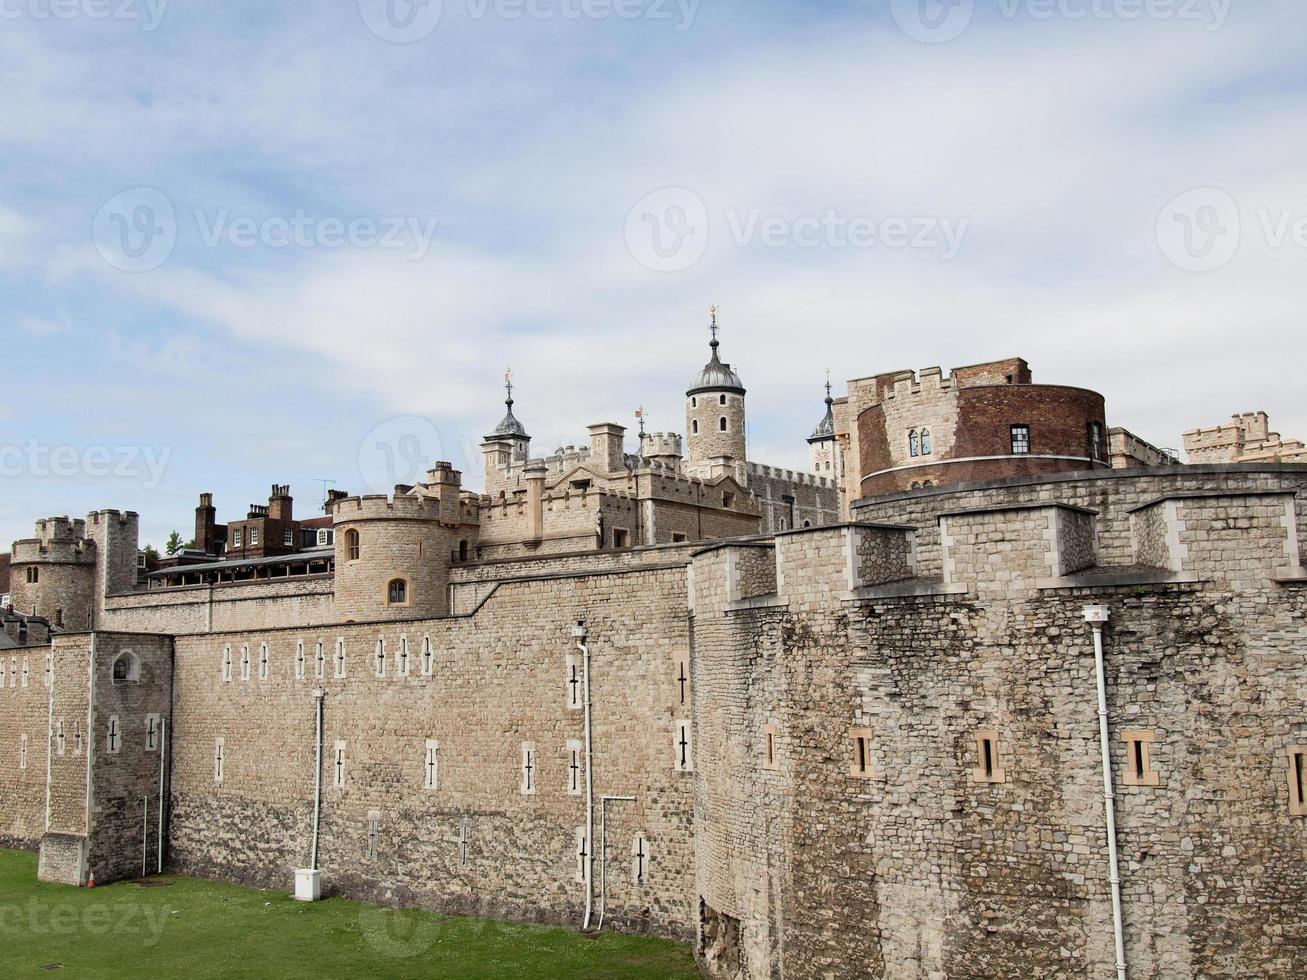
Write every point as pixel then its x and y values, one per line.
pixel 822 446
pixel 506 446
pixel 714 413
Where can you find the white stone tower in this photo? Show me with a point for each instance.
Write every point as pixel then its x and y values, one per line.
pixel 715 419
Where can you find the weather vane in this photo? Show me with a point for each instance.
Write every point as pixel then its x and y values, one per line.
pixel 508 385
pixel 713 310
pixel 639 413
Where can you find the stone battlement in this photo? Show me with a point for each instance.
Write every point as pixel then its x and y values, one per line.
pixel 380 507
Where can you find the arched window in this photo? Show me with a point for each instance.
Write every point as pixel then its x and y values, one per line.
pixel 397 592
pixel 462 551
pixel 721 424
pixel 127 668
pixel 925 442
pixel 914 445
pixel 723 400
pixel 694 426
pixel 352 549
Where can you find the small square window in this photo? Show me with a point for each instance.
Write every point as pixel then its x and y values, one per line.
pixel 769 747
pixel 1138 758
pixel 861 762
pixel 987 768
pixel 1020 440
pixel 1298 780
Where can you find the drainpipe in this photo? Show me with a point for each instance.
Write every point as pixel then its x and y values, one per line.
pixel 163 765
pixel 603 853
pixel 579 634
pixel 318 695
pixel 1096 616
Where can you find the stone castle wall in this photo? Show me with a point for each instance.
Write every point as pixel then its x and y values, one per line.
pixel 1111 494
pixel 228 606
pixel 497 681
pixel 24 715
pixel 915 859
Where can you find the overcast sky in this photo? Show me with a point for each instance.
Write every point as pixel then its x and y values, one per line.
pixel 247 243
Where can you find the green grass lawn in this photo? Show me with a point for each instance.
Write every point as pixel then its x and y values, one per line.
pixel 191 928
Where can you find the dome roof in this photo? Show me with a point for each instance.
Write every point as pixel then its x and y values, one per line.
pixel 509 426
pixel 715 375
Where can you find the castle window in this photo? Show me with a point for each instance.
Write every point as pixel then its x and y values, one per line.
pixel 861 764
pixel 1298 780
pixel 403 656
pixel 299 660
pixel 77 737
pixel 694 426
pixel 426 657
pixel 59 743
pixel 1020 439
pixel 683 748
pixel 374 833
pixel 640 860
pixel 381 658
pixel 245 663
pixel 464 842
pixel 114 737
pixel 728 499
pixel 319 661
pixel 59 618
pixel 49 668
pixel 987 766
pixel 914 443
pixel 26 671
pixel 1095 441
pixel 574 682
pixel 681 677
pixel 769 747
pixel 677 537
pixel 338 765
pixel 226 663
pixel 621 538
pixel 254 536
pixel 430 766
pixel 33 575
pixel 1138 762
pixel 218 759
pixel 263 661
pixel 397 592
pixel 22 751
pixel 528 769
pixel 236 538
pixel 582 853
pixel 573 767
pixel 925 442
pixel 462 551
pixel 126 669
pixel 152 733
pixel 340 657
pixel 721 424
pixel 694 401
pixel 352 548
pixel 723 399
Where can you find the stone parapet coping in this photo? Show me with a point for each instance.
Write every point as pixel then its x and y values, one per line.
pixel 1000 508
pixel 772 601
pixel 1110 577
pixel 908 588
pixel 1207 494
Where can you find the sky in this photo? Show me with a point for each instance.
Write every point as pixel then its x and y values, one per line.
pixel 250 243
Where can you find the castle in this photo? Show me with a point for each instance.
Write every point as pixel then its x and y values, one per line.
pixel 994 690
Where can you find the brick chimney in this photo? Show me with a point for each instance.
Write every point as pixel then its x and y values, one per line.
pixel 280 503
pixel 206 516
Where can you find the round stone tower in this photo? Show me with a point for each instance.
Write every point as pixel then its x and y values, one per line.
pixel 714 414
pixel 392 557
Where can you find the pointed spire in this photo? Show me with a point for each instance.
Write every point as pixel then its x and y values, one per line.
pixel 715 376
pixel 508 386
pixel 826 427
